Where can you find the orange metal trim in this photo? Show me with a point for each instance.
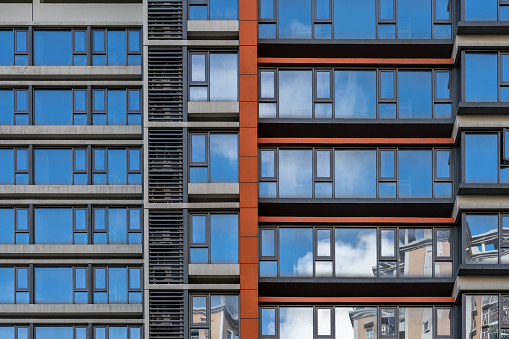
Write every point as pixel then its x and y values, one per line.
pixel 356 300
pixel 353 62
pixel 352 220
pixel 356 141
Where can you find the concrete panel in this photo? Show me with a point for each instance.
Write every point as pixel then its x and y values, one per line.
pixel 215 270
pixel 211 190
pixel 15 12
pixel 70 72
pixel 70 142
pixel 479 203
pixel 208 287
pixel 72 321
pixel 71 251
pixel 194 124
pixel 70 132
pixel 478 42
pixel 479 284
pixel 82 83
pixel 89 14
pixel 74 191
pixel 194 43
pixel 194 205
pixel 464 122
pixel 71 202
pixel 213 28
pixel 212 109
pixel 71 262
pixel 64 310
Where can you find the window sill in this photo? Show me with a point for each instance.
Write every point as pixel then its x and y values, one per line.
pixel 213 28
pixel 213 190
pixel 214 270
pixel 70 72
pixel 70 251
pixel 71 191
pixel 71 132
pixel 213 109
pixel 57 310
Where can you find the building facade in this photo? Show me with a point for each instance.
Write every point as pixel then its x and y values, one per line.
pixel 275 169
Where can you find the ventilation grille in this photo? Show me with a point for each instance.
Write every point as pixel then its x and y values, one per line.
pixel 165 166
pixel 166 247
pixel 166 315
pixel 165 19
pixel 165 95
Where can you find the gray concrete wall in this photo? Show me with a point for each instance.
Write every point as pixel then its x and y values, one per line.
pixel 71 132
pixel 63 310
pixel 70 251
pixel 70 191
pixel 215 270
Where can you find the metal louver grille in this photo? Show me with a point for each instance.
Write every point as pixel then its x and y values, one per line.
pixel 165 84
pixel 165 19
pixel 165 166
pixel 166 247
pixel 166 315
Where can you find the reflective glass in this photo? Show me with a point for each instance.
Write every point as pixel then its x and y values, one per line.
pixel 117 167
pixel 7 226
pixel 224 157
pixel 47 332
pixel 52 48
pixel 99 41
pixel 6 104
pixel 482 239
pixel 354 19
pixel 198 174
pixel 443 321
pixel 117 285
pixel 266 31
pixel 387 164
pixel 224 238
pixel 323 111
pixel 296 252
pixel 135 333
pixel 7 332
pixel 7 168
pixel 443 164
pixel 355 174
pixel 356 322
pixel 505 229
pixel 414 19
pixel 387 85
pixel 7 285
pixel 355 252
pixel 224 77
pixel 134 40
pixel 99 96
pixel 117 332
pixel 21 100
pixel 296 322
pixel 481 10
pixel 21 41
pixel 323 85
pixel 442 31
pixel 295 172
pixel 442 9
pixel 199 315
pixel 322 9
pixel 386 31
pixel 267 84
pixel 117 107
pixel 268 321
pixel 443 85
pixel 53 285
pixel 387 243
pixel 355 94
pixel 197 67
pixel 415 322
pixel 295 94
pixel 415 174
pixel 266 110
pixel 117 55
pixel 100 278
pixel 386 9
pixel 117 226
pixel 481 159
pixel 443 269
pixel 267 9
pixel 224 312
pixel 22 332
pixel 134 100
pixel 53 226
pixel 414 95
pixel 388 322
pixel 21 159
pixel 99 333
pixel 323 169
pixel 223 9
pixel 294 19
pixel 197 12
pixel 268 243
pixel 199 229
pixel 79 100
pixel 268 268
pixel 53 166
pixel 198 148
pixel 198 93
pixel 53 107
pixel 482 309
pixel 79 41
pixel 7 50
pixel 415 252
pixel 267 166
pixel 481 84
pixel 323 316
pixel 323 241
pixel 443 246
pixel 199 255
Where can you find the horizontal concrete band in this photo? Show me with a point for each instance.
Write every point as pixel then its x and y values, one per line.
pixel 213 109
pixel 70 132
pixel 181 287
pixel 215 270
pixel 193 205
pixel 72 321
pixel 478 42
pixel 476 122
pixel 480 203
pixel 70 202
pixel 213 189
pixel 71 251
pixel 213 28
pixel 73 191
pixel 193 43
pixel 480 285
pixel 194 124
pixel 70 72
pixel 70 262
pixel 77 83
pixel 44 310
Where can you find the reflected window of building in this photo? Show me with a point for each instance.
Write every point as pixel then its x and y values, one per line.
pixel 484 244
pixel 214 316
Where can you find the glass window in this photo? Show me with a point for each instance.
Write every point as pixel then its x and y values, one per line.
pixel 355 94
pixel 53 285
pixel 117 107
pixel 7 168
pixel 117 167
pixel 224 76
pixel 354 19
pixel 7 284
pixel 224 157
pixel 47 332
pixel 295 94
pixel 415 174
pixel 481 10
pixel 481 77
pixel 53 166
pixel 482 309
pixel 117 285
pixel 223 9
pixel 295 173
pixel 7 51
pixel 294 19
pixel 8 226
pixel 355 252
pixel 482 239
pixel 53 107
pixel 296 322
pixel 481 158
pixel 415 252
pixel 414 95
pixel 224 238
pixel 414 321
pixel 268 321
pixel 414 19
pixel 52 48
pixel 356 322
pixel 6 104
pixel 296 252
pixel 53 226
pixel 355 174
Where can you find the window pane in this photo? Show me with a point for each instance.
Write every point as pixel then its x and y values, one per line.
pixel 443 243
pixel 386 9
pixel 117 226
pixel 296 322
pixel 295 94
pixel 355 94
pixel 6 103
pixel 481 160
pixel 117 107
pixel 79 100
pixel 481 77
pixel 443 164
pixel 387 85
pixel 387 164
pixel 100 278
pixel 414 320
pixel 268 321
pixel 224 238
pixel 7 50
pixel 481 10
pixel 117 167
pixel 268 243
pixel 482 239
pixel 199 229
pixel 294 19
pixel 387 243
pixel 267 9
pixel 53 226
pixel 99 96
pixel 79 41
pixel 134 278
pixel 267 84
pixel 482 309
pixel 414 19
pixel 134 40
pixel 53 107
pixel 443 85
pixel 117 332
pixel 198 148
pixel 117 48
pixel 267 159
pixel 223 9
pixel 53 285
pixel 197 67
pixel 117 285
pixel 360 322
pixel 323 321
pixel 443 321
pixel 52 48
pixel 53 166
pixel 354 19
pixel 7 168
pixel 7 284
pixel 46 332
pixel 224 158
pixel 355 252
pixel 323 85
pixel 323 167
pixel 224 77
pixel 295 173
pixel 323 248
pixel 7 332
pixel 355 174
pixel 134 100
pixel 199 310
pixel 296 252
pixel 415 174
pixel 7 226
pixel 415 252
pixel 415 97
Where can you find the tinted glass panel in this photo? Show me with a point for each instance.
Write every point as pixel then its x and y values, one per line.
pixel 296 252
pixel 481 82
pixel 355 94
pixel 415 252
pixel 268 241
pixel 52 48
pixel 117 167
pixel 295 94
pixel 117 107
pixel 354 19
pixel 7 168
pixel 53 226
pixel 224 76
pixel 224 158
pixel 224 238
pixel 482 309
pixel 415 174
pixel 117 48
pixel 7 285
pixel 7 226
pixel 7 332
pixel 54 332
pixel 53 166
pixel 224 313
pixel 355 174
pixel 117 226
pixel 481 159
pixel 268 321
pixel 197 67
pixel 7 51
pixel 296 322
pixel 357 322
pixel 295 174
pixel 6 105
pixel 294 19
pixel 415 322
pixel 482 239
pixel 267 159
pixel 355 251
pixel 117 285
pixel 53 285
pixel 415 97
pixel 53 107
pixel 414 19
pixel 481 10
pixel 223 9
